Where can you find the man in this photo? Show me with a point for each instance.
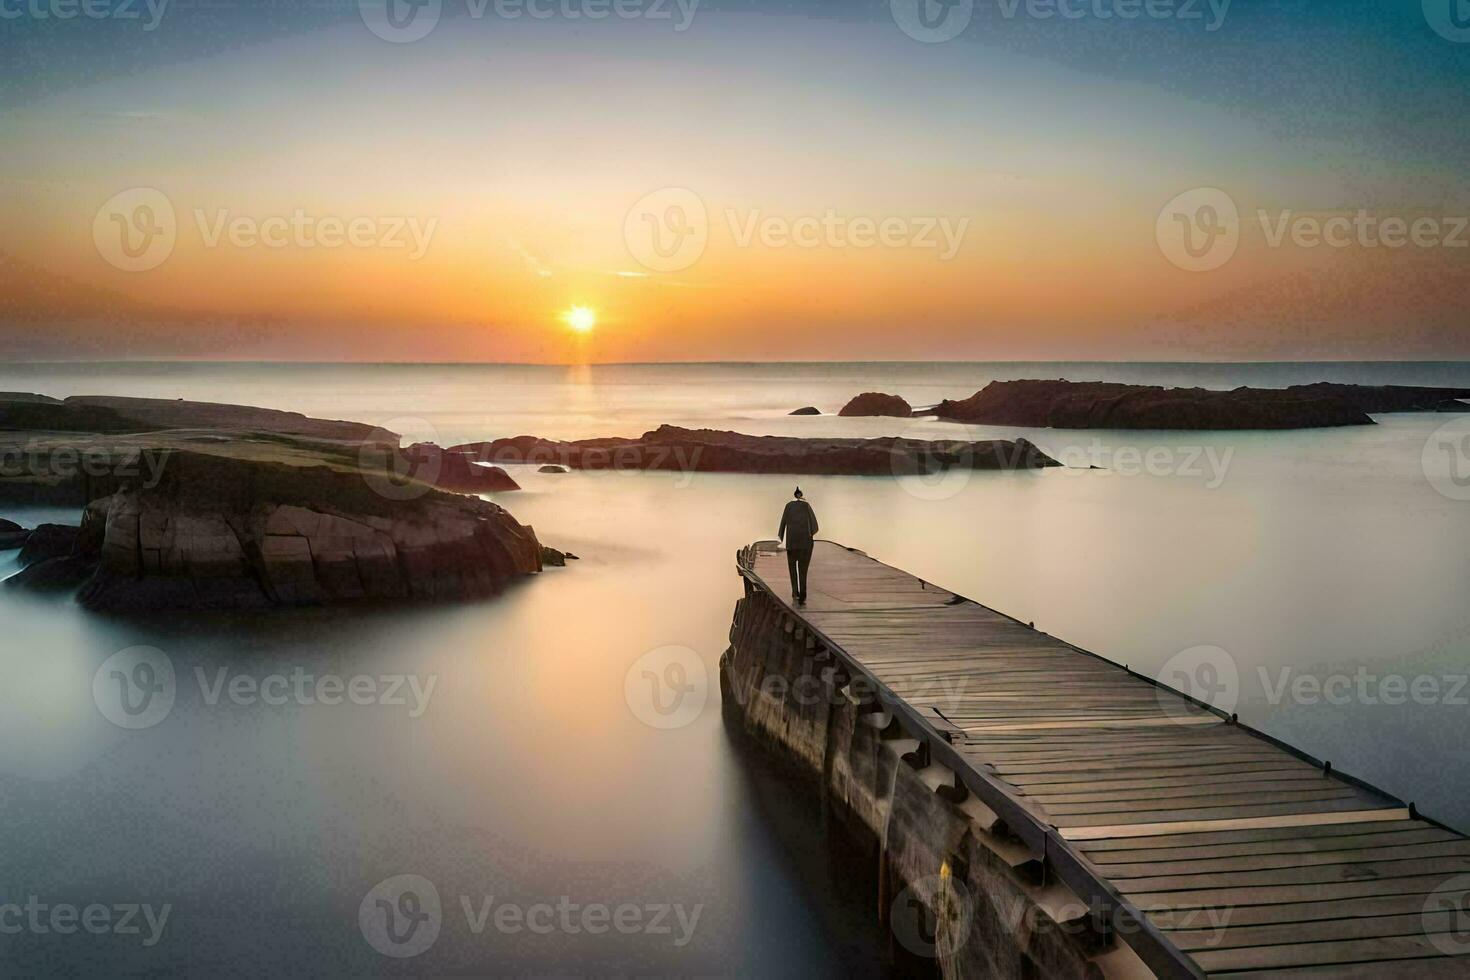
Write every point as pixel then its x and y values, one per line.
pixel 798 527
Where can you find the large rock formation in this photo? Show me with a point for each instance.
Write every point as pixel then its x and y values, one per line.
pixel 223 533
pixel 75 451
pixel 877 403
pixel 1107 405
pixel 712 451
pixel 1100 405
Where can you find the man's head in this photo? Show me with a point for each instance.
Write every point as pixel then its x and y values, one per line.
pixel 798 493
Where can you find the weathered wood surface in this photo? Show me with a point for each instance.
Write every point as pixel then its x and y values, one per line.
pixel 1246 856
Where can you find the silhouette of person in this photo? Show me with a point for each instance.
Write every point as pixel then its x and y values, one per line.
pixel 798 528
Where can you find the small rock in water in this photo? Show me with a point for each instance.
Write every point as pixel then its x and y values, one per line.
pixel 809 410
pixel 557 559
pixel 553 468
pixel 871 403
pixel 49 541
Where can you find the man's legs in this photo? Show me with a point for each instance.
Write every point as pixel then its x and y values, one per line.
pixel 803 562
pixel 796 583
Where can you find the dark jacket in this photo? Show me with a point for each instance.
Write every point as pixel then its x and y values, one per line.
pixel 798 525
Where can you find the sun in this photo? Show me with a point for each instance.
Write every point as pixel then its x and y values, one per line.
pixel 581 318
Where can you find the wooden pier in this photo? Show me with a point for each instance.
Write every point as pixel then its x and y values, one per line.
pixel 1157 811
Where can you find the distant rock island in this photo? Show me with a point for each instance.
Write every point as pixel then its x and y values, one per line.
pixel 713 451
pixel 1105 405
pixel 876 403
pixel 192 505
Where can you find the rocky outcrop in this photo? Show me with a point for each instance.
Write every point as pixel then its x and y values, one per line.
pixel 558 559
pixel 147 414
pixel 1100 405
pixel 48 541
pixel 712 451
pixel 223 533
pixel 552 468
pixel 457 471
pixel 808 410
pixel 877 403
pixel 33 416
pixel 1383 399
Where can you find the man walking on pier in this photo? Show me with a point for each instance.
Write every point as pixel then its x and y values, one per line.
pixel 798 528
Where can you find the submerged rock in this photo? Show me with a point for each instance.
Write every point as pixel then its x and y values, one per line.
pixel 63 574
pixel 1104 405
pixel 48 541
pixel 550 556
pixel 877 403
pixel 457 471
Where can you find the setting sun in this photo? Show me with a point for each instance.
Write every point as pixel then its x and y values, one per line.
pixel 581 318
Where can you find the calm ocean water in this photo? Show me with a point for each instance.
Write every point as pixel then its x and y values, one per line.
pixel 1323 569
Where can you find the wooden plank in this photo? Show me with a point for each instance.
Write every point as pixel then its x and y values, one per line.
pixel 1271 848
pixel 1426 969
pixel 1274 836
pixel 1082 832
pixel 1359 927
pixel 1454 848
pixel 1316 954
